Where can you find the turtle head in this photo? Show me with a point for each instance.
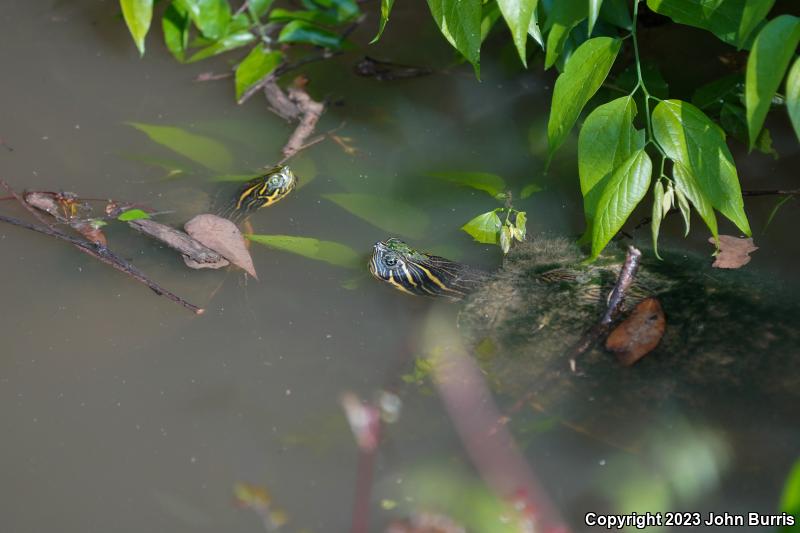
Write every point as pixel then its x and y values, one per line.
pixel 413 272
pixel 267 189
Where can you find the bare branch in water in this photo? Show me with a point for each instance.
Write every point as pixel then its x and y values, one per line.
pixel 101 253
pixel 615 300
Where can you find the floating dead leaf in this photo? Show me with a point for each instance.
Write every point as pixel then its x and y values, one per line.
pixel 91 232
pixel 734 252
pixel 638 334
pixel 222 236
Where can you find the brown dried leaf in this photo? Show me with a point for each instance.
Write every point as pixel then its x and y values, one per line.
pixel 222 236
pixel 638 334
pixel 90 232
pixel 733 251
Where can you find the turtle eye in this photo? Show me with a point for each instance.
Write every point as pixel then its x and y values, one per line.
pixel 274 181
pixel 390 261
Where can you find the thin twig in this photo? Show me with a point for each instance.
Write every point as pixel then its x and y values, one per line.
pixel 615 300
pixel 101 253
pixel 777 192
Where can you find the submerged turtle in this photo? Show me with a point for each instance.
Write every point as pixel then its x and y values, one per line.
pixel 731 342
pixel 262 191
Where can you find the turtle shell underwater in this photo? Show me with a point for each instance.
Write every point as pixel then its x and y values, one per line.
pixel 731 337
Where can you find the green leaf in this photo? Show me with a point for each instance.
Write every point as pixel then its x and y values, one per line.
pixel 258 64
pixel 683 205
pixel 298 31
pixel 328 251
pixel 529 190
pixel 386 9
pixel 175 24
pixel 460 23
pixel 133 214
pixel 227 43
pixel 793 96
pixel 482 181
pixel 658 213
pixel 517 14
pixel 520 222
pixel 622 194
pixel 314 17
pixel 490 14
pixel 688 136
pixel 505 238
pixel 210 16
pixel 566 14
pixel 769 58
pixel 534 30
pixel 137 14
pixel 484 228
pixel 202 150
pixel 687 185
pixel 616 12
pixel 606 140
pixel 713 94
pixel 775 209
pixel 731 20
pixel 258 8
pixel 584 74
pixel 594 12
pixel 790 500
pixel 389 215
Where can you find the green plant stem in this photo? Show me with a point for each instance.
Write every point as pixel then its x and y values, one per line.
pixel 641 85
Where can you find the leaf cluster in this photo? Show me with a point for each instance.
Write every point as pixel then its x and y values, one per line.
pixel 198 29
pixel 619 140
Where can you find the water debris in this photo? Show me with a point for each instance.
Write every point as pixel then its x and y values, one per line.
pixel 638 334
pixel 369 67
pixel 259 500
pixel 425 522
pixel 222 236
pixel 734 252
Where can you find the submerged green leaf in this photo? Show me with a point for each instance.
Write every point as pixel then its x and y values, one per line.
pixel 622 193
pixel 769 58
pixel 584 73
pixel 482 181
pixel 389 215
pixel 793 96
pixel 517 14
pixel 259 63
pixel 460 23
pixel 202 150
pixel 485 228
pixel 607 138
pixel 688 136
pixel 298 31
pixel 328 251
pixel 138 15
pixel 386 9
pixel 529 190
pixel 133 214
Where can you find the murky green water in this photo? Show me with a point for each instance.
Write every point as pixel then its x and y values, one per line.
pixel 121 412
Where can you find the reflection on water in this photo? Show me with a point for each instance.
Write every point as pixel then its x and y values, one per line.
pixel 124 413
